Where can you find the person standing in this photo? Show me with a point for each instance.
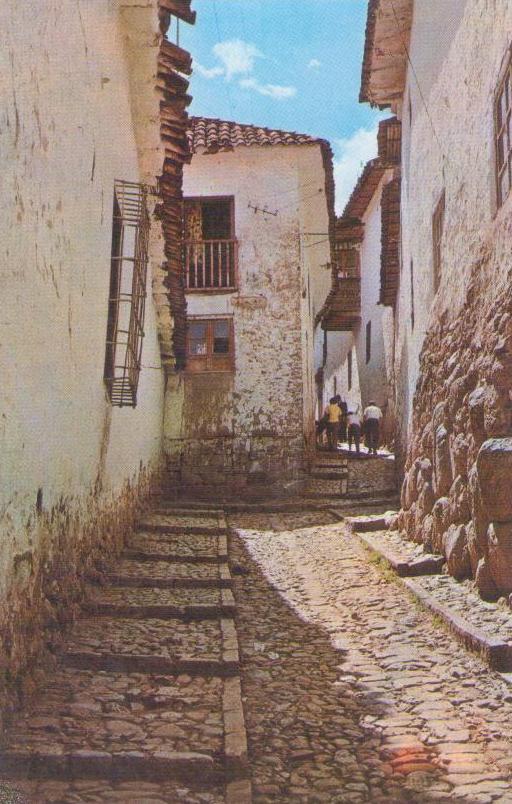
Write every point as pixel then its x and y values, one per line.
pixel 343 420
pixel 354 431
pixel 372 417
pixel 333 413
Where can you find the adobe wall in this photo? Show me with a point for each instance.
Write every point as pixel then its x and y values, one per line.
pixel 456 367
pixel 252 427
pixel 75 471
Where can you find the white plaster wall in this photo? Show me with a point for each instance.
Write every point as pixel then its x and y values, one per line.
pixel 272 388
pixel 450 146
pixel 339 344
pixel 65 135
pixel 372 375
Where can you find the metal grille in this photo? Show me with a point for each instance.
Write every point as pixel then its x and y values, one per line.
pixel 503 134
pixel 127 297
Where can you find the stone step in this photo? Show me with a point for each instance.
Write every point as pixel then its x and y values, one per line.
pixel 183 604
pixel 405 565
pixel 185 548
pixel 165 575
pixel 153 645
pixel 121 790
pixel 174 523
pixel 328 474
pixel 137 726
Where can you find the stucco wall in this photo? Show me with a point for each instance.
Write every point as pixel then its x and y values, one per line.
pixel 265 407
pixel 456 363
pixel 73 468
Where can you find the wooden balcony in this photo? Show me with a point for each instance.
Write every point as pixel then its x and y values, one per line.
pixel 211 266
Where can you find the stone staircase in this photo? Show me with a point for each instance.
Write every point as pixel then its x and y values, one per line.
pixel 145 701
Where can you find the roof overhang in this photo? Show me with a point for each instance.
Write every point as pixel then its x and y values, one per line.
pixel 388 31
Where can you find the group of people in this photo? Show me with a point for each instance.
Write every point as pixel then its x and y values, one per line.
pixel 343 424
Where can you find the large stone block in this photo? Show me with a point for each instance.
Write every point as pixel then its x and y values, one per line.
pixel 427 499
pixel 494 467
pixel 460 509
pixel 476 414
pixel 441 518
pixel 485 582
pixel 443 477
pixel 474 547
pixel 459 454
pixel 455 548
pixel 499 539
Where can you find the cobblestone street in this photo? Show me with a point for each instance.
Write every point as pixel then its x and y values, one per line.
pixel 261 651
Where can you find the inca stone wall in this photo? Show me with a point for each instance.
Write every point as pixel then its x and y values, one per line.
pixel 454 366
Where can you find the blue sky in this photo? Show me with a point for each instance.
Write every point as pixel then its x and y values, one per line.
pixel 290 64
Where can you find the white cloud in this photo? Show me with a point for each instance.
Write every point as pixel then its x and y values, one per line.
pixel 236 56
pixel 314 64
pixel 353 153
pixel 271 90
pixel 208 72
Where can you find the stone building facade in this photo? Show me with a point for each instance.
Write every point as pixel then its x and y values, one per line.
pixel 453 348
pixel 241 415
pixel 92 93
pixel 358 315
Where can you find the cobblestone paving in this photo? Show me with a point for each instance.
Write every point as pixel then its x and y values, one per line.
pixel 104 791
pixel 392 542
pixel 171 638
pixel 164 570
pixel 195 544
pixel 353 693
pixel 121 595
pixel 119 713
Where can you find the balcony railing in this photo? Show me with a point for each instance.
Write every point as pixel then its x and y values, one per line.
pixel 211 265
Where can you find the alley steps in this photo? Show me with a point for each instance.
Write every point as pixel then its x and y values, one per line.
pixel 146 691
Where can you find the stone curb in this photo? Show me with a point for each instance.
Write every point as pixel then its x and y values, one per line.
pixel 430 565
pixel 178 510
pixel 230 654
pixel 177 582
pixel 205 611
pixel 239 792
pixel 496 653
pixel 89 764
pixel 235 735
pixel 140 663
pixel 173 558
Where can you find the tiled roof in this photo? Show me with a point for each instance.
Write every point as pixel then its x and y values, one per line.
pixel 224 135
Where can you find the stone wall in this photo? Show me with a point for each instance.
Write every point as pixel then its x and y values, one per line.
pixel 454 399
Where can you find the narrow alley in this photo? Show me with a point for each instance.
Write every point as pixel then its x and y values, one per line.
pixel 259 651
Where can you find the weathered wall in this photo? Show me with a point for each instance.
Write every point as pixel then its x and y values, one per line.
pixel 248 427
pixel 456 495
pixel 372 380
pixel 73 468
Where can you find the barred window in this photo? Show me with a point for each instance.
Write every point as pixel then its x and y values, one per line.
pixel 210 345
pixel 503 134
pixel 368 341
pixel 127 295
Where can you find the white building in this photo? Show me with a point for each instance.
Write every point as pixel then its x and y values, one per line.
pixel 242 413
pixel 82 411
pixel 453 346
pixel 358 315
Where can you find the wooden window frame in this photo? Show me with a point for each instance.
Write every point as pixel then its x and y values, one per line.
pixel 211 362
pixel 231 244
pixel 437 240
pixel 503 132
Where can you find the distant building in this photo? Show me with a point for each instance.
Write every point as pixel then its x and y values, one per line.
pixel 358 315
pixel 256 273
pixel 93 138
pixel 453 343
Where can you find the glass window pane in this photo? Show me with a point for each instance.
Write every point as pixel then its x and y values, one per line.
pixel 197 330
pixel 221 329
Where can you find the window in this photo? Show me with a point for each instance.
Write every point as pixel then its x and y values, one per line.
pixel 349 370
pixel 335 386
pixel 437 239
pixel 368 341
pixel 503 134
pixel 210 345
pixel 127 294
pixel 210 250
